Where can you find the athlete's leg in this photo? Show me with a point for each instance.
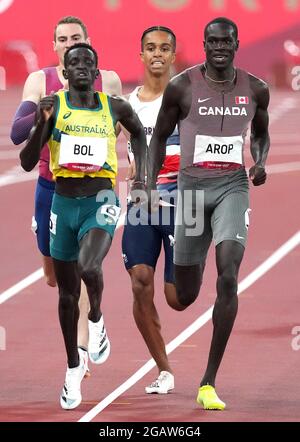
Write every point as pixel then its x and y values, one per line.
pixel 93 248
pixel 171 297
pixel 145 314
pixel 40 225
pixel 230 226
pixel 188 281
pixel 167 231
pixel 229 255
pixel 68 281
pixel 141 246
pixel 193 235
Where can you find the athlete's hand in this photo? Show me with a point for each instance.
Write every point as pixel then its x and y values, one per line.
pixel 138 192
pixel 257 175
pixel 130 172
pixel 153 199
pixel 46 108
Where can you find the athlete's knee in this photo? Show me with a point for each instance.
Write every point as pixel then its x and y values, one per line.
pixel 171 297
pixel 227 284
pixel 186 296
pixel 67 300
pixel 91 274
pixel 142 287
pixel 188 280
pixel 141 279
pixel 188 291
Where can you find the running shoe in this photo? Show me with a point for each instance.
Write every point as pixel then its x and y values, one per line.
pixel 162 385
pixel 99 345
pixel 208 398
pixel 70 396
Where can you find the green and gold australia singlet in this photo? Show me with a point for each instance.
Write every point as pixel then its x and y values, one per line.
pixel 83 140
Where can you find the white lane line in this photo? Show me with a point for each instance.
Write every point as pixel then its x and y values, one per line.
pixel 16 175
pixel 9 154
pixel 38 274
pixel 15 289
pixel 283 167
pixel 270 262
pixel 286 105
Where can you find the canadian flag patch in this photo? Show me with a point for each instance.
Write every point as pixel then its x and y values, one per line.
pixel 241 100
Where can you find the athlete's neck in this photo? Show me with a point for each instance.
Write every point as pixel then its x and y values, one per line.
pixel 224 75
pixel 85 98
pixel 153 87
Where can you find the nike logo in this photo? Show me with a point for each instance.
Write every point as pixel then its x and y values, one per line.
pixel 239 237
pixel 204 99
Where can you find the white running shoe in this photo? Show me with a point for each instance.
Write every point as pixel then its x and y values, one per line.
pixel 71 395
pixel 162 385
pixel 99 345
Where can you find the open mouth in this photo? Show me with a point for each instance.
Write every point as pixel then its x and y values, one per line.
pixel 220 57
pixel 157 63
pixel 82 75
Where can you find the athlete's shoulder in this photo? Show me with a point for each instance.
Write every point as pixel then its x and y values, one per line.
pixel 257 82
pixel 111 83
pixel 177 85
pixel 133 93
pixel 34 87
pixel 260 90
pixel 182 79
pixel 121 107
pixel 120 100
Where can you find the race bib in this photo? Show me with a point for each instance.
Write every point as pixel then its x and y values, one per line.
pixel 218 149
pixel 85 154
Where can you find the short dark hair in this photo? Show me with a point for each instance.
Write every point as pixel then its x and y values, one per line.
pixel 70 19
pixel 225 21
pixel 80 45
pixel 159 28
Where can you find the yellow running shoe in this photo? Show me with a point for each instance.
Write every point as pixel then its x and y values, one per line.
pixel 208 398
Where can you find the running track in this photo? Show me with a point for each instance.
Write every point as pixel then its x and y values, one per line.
pixel 259 376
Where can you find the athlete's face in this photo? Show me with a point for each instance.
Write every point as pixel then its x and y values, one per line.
pixel 81 69
pixel 220 45
pixel 67 35
pixel 158 52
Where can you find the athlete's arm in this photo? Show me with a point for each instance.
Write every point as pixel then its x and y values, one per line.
pixel 128 118
pixel 167 119
pixel 23 122
pixel 111 83
pixel 39 134
pixel 259 140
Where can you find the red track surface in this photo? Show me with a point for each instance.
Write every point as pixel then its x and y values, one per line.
pixel 259 376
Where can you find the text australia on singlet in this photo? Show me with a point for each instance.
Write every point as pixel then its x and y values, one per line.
pixel 83 153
